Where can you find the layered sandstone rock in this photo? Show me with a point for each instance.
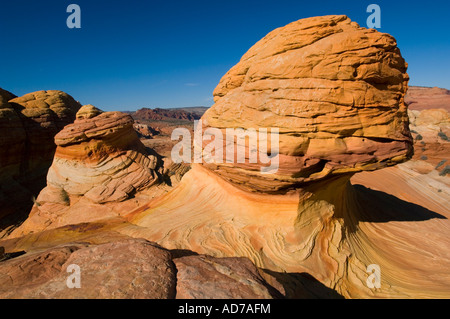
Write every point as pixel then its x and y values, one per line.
pixel 128 269
pixel 145 131
pixel 164 114
pixel 336 93
pixel 28 125
pixel 99 163
pixel 204 277
pixel 125 269
pixel 431 131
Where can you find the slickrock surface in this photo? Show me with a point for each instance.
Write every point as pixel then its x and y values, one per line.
pixel 128 269
pixel 431 131
pixel 28 125
pixel 203 277
pixel 336 92
pixel 99 164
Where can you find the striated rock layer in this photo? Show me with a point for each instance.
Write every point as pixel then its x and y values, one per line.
pixel 423 98
pixel 128 269
pixel 336 93
pixel 28 125
pixel 99 163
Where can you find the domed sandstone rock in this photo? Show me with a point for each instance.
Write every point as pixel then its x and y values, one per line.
pixel 333 89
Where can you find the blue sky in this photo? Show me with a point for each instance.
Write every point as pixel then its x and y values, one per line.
pixel 144 53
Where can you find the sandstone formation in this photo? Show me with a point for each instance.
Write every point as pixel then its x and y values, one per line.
pixel 5 96
pixel 126 269
pixel 145 131
pixel 336 92
pixel 99 163
pixel 431 132
pixel 422 98
pixel 203 277
pixel 28 125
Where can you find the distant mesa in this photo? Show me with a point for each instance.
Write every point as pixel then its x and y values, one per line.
pixel 130 269
pixel 165 114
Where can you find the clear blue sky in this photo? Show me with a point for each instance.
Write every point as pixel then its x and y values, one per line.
pixel 144 53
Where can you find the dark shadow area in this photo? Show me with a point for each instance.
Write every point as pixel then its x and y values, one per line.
pixel 11 255
pixel 380 207
pixel 302 286
pixel 178 253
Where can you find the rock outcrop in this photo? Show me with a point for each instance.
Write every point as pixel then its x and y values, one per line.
pixel 127 269
pixel 431 131
pixel 28 125
pixel 336 93
pixel 164 114
pixel 203 277
pixel 99 160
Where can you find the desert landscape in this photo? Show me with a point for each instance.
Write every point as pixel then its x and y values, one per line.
pixel 363 180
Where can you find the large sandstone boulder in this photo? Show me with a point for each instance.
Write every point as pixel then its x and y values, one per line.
pixel 335 91
pixel 133 268
pixel 205 277
pixel 99 163
pixel 100 157
pixel 28 125
pixel 431 131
